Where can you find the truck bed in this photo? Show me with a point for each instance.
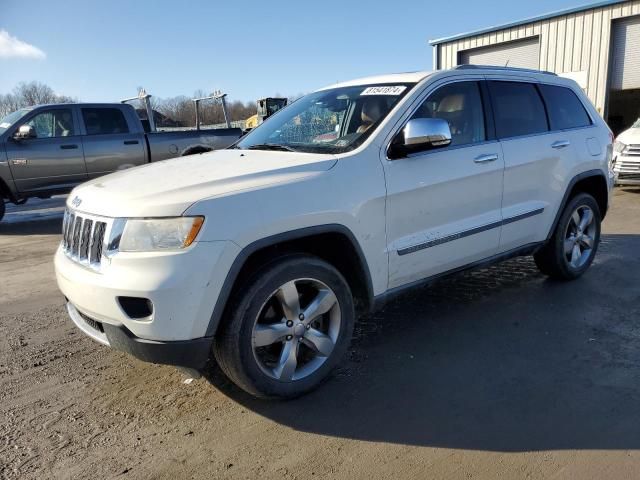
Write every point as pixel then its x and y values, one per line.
pixel 163 145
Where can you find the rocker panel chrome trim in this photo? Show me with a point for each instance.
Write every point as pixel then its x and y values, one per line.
pixel 466 233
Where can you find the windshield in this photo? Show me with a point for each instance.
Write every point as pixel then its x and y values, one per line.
pixel 12 118
pixel 636 124
pixel 329 121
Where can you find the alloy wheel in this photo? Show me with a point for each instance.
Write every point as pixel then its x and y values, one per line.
pixel 580 236
pixel 296 329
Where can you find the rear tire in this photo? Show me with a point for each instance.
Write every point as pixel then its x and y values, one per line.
pixel 3 208
pixel 288 326
pixel 574 243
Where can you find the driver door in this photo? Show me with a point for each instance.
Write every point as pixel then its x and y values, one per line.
pixel 54 159
pixel 444 204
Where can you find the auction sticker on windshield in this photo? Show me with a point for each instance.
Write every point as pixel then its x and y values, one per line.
pixel 384 90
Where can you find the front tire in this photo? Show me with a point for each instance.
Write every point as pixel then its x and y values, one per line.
pixel 574 243
pixel 287 328
pixel 3 208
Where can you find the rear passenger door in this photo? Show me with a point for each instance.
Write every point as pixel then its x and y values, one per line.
pixel 110 141
pixel 444 205
pixel 536 159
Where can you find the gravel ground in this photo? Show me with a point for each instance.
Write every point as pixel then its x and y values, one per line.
pixel 494 373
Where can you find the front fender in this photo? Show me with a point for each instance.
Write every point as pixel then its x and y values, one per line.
pixel 348 198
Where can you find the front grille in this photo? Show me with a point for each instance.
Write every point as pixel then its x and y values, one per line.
pixel 629 176
pixel 627 165
pixel 83 238
pixel 633 151
pixel 629 161
pixel 91 322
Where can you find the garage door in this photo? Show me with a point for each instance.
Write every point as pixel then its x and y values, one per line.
pixel 521 53
pixel 625 73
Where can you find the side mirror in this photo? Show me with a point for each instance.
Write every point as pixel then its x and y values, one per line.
pixel 24 132
pixel 420 134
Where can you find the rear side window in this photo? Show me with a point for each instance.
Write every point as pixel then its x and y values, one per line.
pixel 518 109
pixel 104 121
pixel 564 107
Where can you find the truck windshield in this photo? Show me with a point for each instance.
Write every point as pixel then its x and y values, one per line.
pixel 12 118
pixel 328 121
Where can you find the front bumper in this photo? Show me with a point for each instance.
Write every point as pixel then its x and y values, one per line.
pixel 187 353
pixel 626 169
pixel 622 179
pixel 182 287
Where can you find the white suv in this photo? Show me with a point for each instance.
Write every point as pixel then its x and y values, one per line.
pixel 626 156
pixel 263 255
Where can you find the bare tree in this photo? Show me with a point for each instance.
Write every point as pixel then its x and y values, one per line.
pixel 8 103
pixel 29 94
pixel 182 110
pixel 36 93
pixel 179 111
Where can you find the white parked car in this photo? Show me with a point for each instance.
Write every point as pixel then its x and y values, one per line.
pixel 626 156
pixel 263 255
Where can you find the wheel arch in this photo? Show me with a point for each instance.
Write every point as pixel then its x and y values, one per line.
pixel 5 191
pixel 195 149
pixel 333 243
pixel 593 182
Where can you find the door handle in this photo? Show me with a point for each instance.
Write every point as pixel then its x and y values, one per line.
pixel 560 144
pixel 68 147
pixel 489 157
pixel 131 142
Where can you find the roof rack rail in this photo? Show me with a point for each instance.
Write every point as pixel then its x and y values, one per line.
pixel 497 67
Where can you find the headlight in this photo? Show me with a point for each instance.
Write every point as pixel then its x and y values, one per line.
pixel 151 234
pixel 619 147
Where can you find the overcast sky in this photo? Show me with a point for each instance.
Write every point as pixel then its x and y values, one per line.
pixel 104 50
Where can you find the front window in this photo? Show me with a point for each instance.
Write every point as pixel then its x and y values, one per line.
pixel 329 121
pixel 460 104
pixel 53 123
pixel 12 118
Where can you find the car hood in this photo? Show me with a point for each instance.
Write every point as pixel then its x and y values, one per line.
pixel 631 136
pixel 169 187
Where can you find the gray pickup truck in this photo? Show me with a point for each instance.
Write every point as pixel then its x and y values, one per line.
pixel 49 149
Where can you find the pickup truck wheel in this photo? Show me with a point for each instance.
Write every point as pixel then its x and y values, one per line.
pixel 3 208
pixel 287 328
pixel 574 243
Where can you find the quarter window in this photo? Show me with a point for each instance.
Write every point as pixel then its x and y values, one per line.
pixel 104 121
pixel 460 105
pixel 564 108
pixel 518 109
pixel 53 123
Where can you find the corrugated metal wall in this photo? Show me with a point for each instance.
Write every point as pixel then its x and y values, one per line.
pixel 517 53
pixel 579 42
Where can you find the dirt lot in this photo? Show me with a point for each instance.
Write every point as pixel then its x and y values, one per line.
pixel 498 373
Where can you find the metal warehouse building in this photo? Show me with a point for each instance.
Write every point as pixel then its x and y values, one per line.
pixel 597 45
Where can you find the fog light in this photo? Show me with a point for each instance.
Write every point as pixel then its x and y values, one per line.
pixel 136 307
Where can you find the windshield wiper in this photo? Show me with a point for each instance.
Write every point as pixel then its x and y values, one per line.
pixel 271 146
